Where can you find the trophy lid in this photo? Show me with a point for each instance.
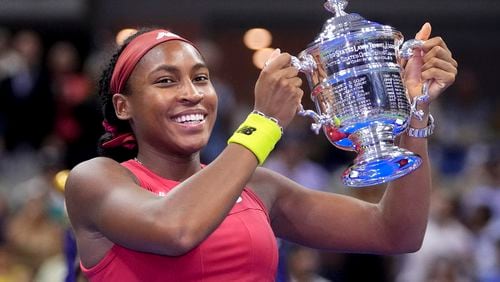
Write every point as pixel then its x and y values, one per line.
pixel 343 23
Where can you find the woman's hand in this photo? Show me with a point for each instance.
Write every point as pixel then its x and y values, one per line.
pixel 435 63
pixel 277 91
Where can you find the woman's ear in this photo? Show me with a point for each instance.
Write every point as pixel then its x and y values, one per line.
pixel 121 105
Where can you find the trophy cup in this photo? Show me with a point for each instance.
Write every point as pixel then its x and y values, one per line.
pixel 353 71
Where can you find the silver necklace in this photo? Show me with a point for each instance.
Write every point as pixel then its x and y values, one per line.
pixel 138 161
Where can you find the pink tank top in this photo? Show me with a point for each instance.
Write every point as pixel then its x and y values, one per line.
pixel 242 248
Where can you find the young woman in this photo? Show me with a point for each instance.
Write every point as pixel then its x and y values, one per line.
pixel 148 210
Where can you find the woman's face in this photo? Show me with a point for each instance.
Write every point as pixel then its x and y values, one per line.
pixel 172 104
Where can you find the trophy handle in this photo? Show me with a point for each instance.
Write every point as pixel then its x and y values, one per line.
pixel 406 52
pixel 306 64
pixel 319 120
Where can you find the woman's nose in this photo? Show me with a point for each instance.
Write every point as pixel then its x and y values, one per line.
pixel 191 93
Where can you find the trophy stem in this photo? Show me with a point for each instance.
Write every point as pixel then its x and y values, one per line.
pixel 378 160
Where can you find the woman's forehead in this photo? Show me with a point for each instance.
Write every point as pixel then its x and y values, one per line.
pixel 173 52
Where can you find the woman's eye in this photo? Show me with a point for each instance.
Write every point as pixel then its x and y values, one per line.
pixel 201 78
pixel 165 80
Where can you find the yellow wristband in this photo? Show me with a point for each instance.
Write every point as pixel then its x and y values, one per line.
pixel 258 134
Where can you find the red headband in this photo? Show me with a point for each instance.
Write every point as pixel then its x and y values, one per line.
pixel 134 51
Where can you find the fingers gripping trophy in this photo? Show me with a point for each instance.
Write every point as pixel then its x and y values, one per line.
pixel 354 73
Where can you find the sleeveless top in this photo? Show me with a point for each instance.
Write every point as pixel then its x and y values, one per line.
pixel 242 248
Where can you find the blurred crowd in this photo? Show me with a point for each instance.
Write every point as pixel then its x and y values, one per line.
pixel 50 121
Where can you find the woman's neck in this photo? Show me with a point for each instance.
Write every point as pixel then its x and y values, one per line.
pixel 171 167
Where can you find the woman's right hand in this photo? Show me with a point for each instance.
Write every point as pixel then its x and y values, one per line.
pixel 277 91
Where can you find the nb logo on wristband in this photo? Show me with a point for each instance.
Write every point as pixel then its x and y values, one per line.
pixel 247 130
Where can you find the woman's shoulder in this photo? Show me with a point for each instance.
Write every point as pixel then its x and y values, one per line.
pixel 97 161
pixel 96 174
pixel 93 183
pixel 97 166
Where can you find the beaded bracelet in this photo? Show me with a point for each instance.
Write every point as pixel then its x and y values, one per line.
pixel 268 117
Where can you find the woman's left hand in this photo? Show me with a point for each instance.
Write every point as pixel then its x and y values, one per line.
pixel 435 63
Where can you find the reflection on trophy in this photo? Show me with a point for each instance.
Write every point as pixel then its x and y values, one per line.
pixel 353 71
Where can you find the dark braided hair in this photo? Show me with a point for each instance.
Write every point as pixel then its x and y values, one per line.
pixel 119 154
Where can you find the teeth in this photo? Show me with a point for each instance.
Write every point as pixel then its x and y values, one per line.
pixel 190 118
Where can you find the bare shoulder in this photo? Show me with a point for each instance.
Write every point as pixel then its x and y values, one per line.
pixel 96 166
pixel 90 191
pixel 90 174
pixel 89 181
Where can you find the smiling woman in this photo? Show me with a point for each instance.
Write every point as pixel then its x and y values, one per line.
pixel 162 81
pixel 149 210
pixel 160 107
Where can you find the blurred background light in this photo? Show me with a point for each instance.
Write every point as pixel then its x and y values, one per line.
pixel 123 34
pixel 60 179
pixel 260 57
pixel 257 38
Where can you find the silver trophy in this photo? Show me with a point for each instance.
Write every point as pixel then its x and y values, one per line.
pixel 354 73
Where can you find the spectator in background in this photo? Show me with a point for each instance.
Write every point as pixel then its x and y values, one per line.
pixel 11 270
pixel 33 229
pixel 76 109
pixel 467 114
pixel 10 60
pixel 303 265
pixel 26 102
pixel 493 274
pixel 70 88
pixel 49 161
pixel 4 216
pixel 487 191
pixel 291 158
pixel 481 208
pixel 447 249
pixel 33 236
